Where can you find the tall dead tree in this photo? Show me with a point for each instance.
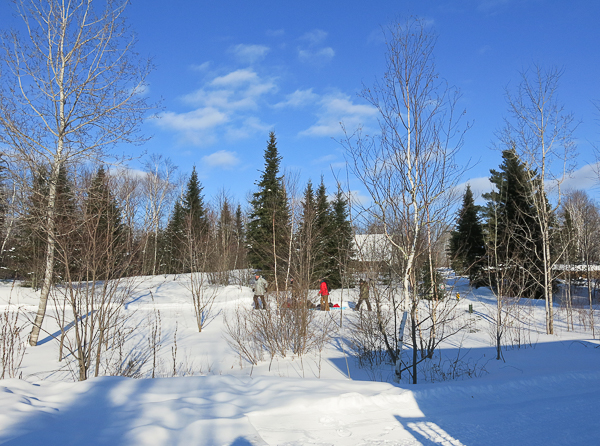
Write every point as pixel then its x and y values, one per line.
pixel 72 87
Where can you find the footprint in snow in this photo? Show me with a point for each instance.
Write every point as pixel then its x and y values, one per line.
pixel 344 433
pixel 327 420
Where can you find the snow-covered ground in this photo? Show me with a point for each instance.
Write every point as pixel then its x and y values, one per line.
pixel 547 392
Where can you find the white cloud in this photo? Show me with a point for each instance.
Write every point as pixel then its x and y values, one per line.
pixel 199 119
pixel 338 108
pixel 584 178
pixel 222 158
pixel 225 106
pixel 202 67
pixel 313 51
pixel 235 78
pixel 249 53
pixel 316 56
pixel 250 126
pixel 298 98
pixel 314 37
pixel 479 186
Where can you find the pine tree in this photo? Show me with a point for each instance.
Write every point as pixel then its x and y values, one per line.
pixel 269 220
pixel 512 227
pixel 467 245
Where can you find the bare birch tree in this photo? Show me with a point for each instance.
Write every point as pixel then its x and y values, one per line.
pixel 409 167
pixel 541 131
pixel 72 87
pixel 584 218
pixel 158 188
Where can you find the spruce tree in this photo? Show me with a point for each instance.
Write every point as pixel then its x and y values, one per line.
pixel 173 242
pixel 305 241
pixel 105 234
pixel 341 239
pixel 467 245
pixel 324 253
pixel 193 207
pixel 67 227
pixel 240 259
pixel 269 219
pixel 31 239
pixel 513 231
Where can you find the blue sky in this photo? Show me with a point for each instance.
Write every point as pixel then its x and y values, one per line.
pixel 228 72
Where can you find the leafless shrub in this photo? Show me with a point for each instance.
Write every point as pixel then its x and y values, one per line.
pixel 155 337
pixel 366 342
pixel 203 296
pixel 12 342
pixel 133 364
pixel 252 333
pixel 453 368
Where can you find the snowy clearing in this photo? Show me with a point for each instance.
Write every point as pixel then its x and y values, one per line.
pixel 547 392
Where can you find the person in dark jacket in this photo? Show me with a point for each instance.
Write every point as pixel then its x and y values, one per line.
pixel 324 292
pixel 363 294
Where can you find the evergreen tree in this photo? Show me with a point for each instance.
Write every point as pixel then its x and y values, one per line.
pixel 467 245
pixel 240 261
pixel 67 226
pixel 325 261
pixel 430 288
pixel 513 231
pixel 305 241
pixel 173 242
pixel 269 220
pixel 105 234
pixel 31 239
pixel 341 239
pixel 193 207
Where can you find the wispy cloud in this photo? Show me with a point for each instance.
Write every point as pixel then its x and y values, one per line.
pixel 298 98
pixel 249 53
pixel 316 56
pixel 338 108
pixel 314 37
pixel 275 32
pixel 202 67
pixel 222 159
pixel 312 49
pixel 225 106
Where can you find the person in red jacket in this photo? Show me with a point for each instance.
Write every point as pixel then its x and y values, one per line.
pixel 324 292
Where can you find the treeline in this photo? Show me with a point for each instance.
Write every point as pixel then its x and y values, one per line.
pixel 119 223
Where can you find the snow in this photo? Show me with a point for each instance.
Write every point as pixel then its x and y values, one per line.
pixel 546 392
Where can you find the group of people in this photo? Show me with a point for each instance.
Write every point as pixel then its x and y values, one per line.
pixel 260 291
